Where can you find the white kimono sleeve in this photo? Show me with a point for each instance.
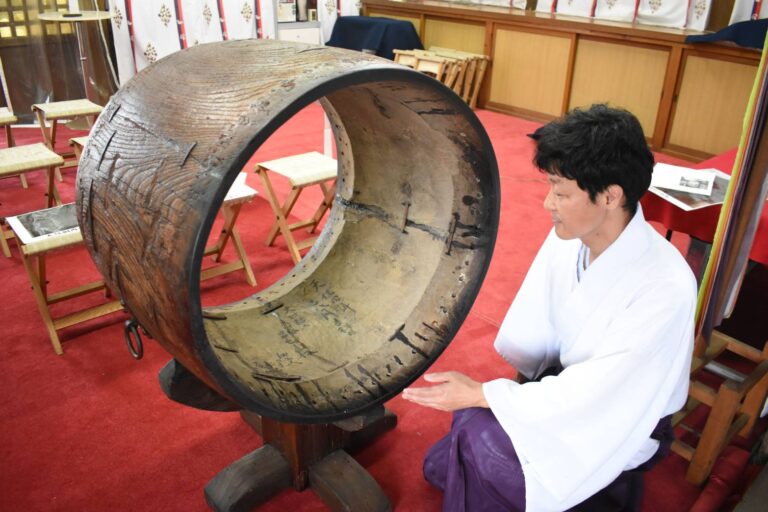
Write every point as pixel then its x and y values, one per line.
pixel 526 339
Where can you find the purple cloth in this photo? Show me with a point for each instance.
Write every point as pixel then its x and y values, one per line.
pixel 477 469
pixel 476 466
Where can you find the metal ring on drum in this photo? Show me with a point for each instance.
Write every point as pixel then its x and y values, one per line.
pixel 394 272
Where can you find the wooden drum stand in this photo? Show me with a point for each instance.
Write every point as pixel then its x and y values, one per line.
pixel 293 455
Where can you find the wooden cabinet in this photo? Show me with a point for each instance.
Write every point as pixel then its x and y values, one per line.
pixel 689 98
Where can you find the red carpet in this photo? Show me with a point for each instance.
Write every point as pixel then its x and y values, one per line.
pixel 92 431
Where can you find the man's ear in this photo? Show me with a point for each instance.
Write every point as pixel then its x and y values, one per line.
pixel 614 197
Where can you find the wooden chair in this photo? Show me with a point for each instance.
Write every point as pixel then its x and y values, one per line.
pixel 302 171
pixel 40 233
pixel 238 195
pixel 58 111
pixel 734 406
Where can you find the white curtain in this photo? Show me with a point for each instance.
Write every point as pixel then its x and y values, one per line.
pixel 698 14
pixel 666 13
pixel 575 7
pixel 546 5
pixel 147 30
pixel 616 10
pixel 742 9
pixel 327 12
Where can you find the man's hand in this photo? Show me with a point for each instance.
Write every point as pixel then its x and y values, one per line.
pixel 453 391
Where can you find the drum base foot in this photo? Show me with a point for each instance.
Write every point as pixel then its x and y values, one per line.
pixel 301 456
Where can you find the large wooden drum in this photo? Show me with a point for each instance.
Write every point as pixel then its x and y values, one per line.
pixel 394 272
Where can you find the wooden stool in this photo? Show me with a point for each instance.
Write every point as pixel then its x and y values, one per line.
pixel 734 406
pixel 39 233
pixel 16 161
pixel 239 194
pixel 56 111
pixel 302 171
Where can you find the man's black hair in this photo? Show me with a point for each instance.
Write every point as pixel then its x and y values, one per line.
pixel 598 147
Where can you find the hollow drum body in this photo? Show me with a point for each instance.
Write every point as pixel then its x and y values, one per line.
pixel 391 277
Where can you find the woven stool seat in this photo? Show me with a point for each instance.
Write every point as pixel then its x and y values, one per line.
pixel 68 109
pixel 26 158
pixel 304 169
pixel 78 144
pixel 7 117
pixel 80 141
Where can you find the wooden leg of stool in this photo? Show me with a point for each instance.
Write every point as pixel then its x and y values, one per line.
pixel 230 214
pixel 53 193
pixel 243 257
pixel 38 289
pixel 718 430
pixel 328 193
pixel 4 243
pixel 286 209
pixel 43 128
pixel 281 222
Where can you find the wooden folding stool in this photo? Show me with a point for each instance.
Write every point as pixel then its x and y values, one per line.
pixel 302 171
pixel 56 111
pixel 38 233
pixel 237 196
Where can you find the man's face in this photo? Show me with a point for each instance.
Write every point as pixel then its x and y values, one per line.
pixel 574 215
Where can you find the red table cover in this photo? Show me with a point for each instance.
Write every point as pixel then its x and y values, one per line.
pixel 702 223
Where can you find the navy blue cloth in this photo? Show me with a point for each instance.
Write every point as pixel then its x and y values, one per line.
pixel 382 35
pixel 750 34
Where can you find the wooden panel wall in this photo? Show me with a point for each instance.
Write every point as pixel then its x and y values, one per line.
pixel 468 37
pixel 622 75
pixel 711 103
pixel 689 98
pixel 529 70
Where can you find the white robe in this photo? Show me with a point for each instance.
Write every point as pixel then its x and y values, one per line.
pixel 624 335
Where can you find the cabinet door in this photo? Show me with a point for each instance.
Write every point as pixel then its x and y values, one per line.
pixel 299 35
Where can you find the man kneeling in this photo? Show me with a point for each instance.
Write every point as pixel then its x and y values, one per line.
pixel 601 330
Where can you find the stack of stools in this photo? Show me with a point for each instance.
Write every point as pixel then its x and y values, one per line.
pixel 461 71
pixel 302 171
